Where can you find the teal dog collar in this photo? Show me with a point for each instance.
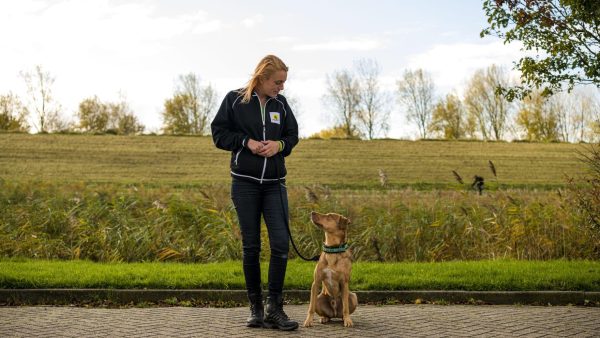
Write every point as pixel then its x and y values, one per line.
pixel 335 249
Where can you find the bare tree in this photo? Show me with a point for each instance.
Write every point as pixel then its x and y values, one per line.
pixel 587 111
pixel 416 92
pixel 39 87
pixel 296 106
pixel 574 113
pixel 343 92
pixel 594 123
pixel 563 105
pixel 206 107
pixel 373 114
pixel 490 109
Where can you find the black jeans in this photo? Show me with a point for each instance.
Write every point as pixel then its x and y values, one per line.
pixel 251 200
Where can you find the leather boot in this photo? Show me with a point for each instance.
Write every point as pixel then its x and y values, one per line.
pixel 275 317
pixel 256 311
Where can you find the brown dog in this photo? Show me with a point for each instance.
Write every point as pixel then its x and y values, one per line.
pixel 332 273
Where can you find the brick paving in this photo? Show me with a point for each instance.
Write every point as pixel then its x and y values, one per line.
pixel 369 321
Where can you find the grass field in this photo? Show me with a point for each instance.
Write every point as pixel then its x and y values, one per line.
pixel 189 161
pixel 499 275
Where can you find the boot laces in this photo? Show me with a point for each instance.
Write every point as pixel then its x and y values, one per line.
pixel 279 314
pixel 255 308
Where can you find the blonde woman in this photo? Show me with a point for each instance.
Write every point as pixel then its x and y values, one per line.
pixel 257 126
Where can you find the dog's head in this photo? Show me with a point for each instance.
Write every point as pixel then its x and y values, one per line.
pixel 334 225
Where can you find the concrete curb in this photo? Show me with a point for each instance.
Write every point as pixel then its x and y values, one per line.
pixel 127 296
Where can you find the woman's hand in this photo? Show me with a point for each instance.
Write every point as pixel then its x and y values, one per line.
pixel 255 146
pixel 269 148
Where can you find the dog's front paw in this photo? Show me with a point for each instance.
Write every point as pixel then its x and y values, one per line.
pixel 308 322
pixel 348 322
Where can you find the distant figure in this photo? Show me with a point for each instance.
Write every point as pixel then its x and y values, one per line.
pixel 477 183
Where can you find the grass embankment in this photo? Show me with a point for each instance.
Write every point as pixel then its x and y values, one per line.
pixel 472 276
pixel 146 198
pixel 193 161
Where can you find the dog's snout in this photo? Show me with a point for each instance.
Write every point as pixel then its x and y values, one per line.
pixel 314 217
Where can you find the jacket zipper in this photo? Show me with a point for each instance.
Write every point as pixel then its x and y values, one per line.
pixel 237 155
pixel 263 113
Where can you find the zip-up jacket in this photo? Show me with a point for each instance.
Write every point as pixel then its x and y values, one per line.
pixel 236 123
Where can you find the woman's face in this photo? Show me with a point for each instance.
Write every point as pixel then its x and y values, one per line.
pixel 273 85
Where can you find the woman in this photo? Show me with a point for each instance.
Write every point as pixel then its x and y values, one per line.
pixel 257 125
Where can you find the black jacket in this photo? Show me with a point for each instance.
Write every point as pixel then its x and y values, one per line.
pixel 236 123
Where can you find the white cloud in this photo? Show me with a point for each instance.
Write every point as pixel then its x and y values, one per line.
pixel 280 39
pixel 252 21
pixel 202 23
pixel 354 44
pixel 455 63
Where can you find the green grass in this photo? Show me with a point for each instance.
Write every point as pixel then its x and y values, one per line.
pixel 501 275
pixel 193 161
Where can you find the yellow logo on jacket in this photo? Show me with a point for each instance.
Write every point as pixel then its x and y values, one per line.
pixel 274 117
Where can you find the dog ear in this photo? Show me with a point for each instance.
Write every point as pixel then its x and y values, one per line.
pixel 343 222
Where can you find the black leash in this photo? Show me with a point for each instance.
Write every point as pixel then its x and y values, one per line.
pixel 286 217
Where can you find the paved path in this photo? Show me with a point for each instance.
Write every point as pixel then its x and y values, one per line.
pixel 369 320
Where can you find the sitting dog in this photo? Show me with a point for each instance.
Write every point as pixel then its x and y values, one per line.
pixel 332 273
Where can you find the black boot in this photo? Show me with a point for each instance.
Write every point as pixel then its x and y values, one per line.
pixel 256 311
pixel 276 318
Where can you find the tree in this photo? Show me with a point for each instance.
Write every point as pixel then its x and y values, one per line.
pixel 102 117
pixel 490 109
pixel 450 119
pixel 175 118
pixel 190 109
pixel 416 91
pixel 122 119
pixel 343 93
pixel 572 112
pixel 336 132
pixel 373 115
pixel 594 124
pixel 129 124
pixel 93 115
pixel 575 114
pixel 563 33
pixel 39 87
pixel 296 106
pixel 586 114
pixel 13 114
pixel 537 121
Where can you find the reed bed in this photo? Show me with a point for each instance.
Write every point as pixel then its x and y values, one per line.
pixel 136 223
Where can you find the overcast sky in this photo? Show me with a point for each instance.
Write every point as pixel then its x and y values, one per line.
pixel 101 47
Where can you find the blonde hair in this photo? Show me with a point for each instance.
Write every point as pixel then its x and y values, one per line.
pixel 264 70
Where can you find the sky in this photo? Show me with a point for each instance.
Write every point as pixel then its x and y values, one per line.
pixel 137 49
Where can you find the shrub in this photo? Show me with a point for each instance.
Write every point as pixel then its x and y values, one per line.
pixel 585 192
